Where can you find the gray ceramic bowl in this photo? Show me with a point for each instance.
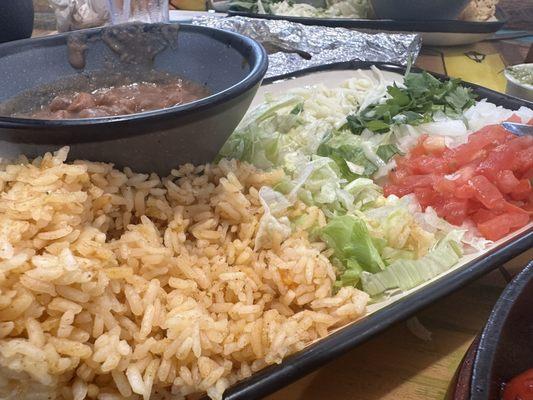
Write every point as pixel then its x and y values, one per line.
pixel 418 9
pixel 16 19
pixel 230 65
pixel 515 87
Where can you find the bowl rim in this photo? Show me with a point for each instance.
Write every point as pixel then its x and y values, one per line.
pixel 515 81
pixel 260 65
pixel 388 25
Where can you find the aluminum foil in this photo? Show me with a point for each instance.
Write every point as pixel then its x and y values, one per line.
pixel 292 46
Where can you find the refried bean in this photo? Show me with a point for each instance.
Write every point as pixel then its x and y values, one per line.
pixel 120 100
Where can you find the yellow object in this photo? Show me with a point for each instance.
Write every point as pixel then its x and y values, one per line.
pixel 191 5
pixel 486 71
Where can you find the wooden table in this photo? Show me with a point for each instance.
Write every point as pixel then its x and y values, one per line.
pixel 396 364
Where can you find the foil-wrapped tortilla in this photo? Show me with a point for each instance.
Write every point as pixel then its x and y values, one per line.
pixel 292 46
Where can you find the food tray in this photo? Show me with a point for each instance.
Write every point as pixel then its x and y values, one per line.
pixel 400 306
pixel 441 26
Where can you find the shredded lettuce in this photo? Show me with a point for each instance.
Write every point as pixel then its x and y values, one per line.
pixel 351 160
pixel 377 243
pixel 260 137
pixel 396 222
pixel 365 155
pixel 319 184
pixel 352 245
pixel 270 225
pixel 393 230
pixel 301 129
pixel 406 274
pixel 364 192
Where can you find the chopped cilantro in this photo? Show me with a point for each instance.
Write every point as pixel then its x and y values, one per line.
pixel 414 104
pixel 298 108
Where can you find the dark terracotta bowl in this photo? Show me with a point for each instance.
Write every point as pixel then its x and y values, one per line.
pixel 230 65
pixel 459 388
pixel 506 345
pixel 504 349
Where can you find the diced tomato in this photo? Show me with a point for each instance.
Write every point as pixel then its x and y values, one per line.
pixel 428 165
pixel 398 174
pixel 502 157
pixel 402 163
pixel 415 181
pixel 506 181
pixel 483 215
pixel 444 185
pixel 512 207
pixel 419 149
pixel 522 190
pixel 426 196
pixel 527 175
pixel 494 228
pixel 514 118
pixel 492 134
pixel 499 226
pixel 486 193
pixel 434 145
pixel 529 204
pixel 517 220
pixel 520 387
pixel 464 191
pixel 523 187
pixel 530 122
pixel 475 148
pixel 525 141
pixel 396 190
pixel 474 206
pixel 439 208
pixel 464 155
pixel 519 143
pixel 524 160
pixel 487 179
pixel 463 174
pixel 455 211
